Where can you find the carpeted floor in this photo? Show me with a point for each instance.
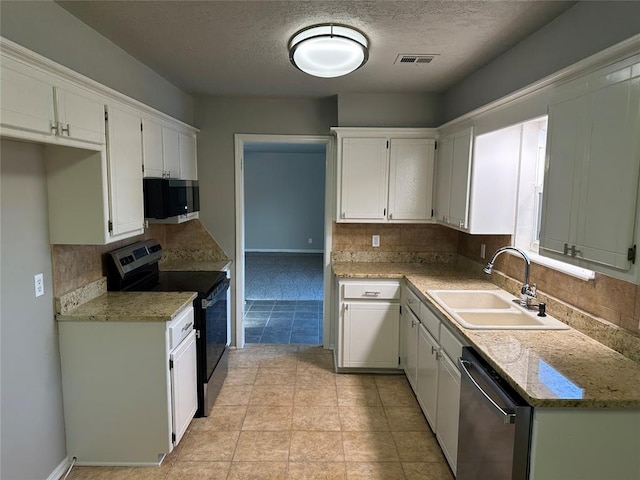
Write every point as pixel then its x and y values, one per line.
pixel 283 276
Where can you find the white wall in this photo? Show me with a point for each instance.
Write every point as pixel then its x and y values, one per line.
pixel 581 31
pixel 284 201
pixel 32 421
pixel 51 31
pixel 390 110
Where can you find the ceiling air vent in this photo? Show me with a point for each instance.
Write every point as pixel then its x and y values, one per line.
pixel 409 59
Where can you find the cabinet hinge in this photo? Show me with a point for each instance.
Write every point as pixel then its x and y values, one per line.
pixel 141 129
pixel 436 146
pixel 110 226
pixel 106 116
pixel 400 309
pixel 631 254
pixel 143 168
pixel 432 212
pixel 387 143
pixel 399 361
pixel 170 364
pixel 173 437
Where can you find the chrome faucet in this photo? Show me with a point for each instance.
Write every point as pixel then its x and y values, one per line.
pixel 527 293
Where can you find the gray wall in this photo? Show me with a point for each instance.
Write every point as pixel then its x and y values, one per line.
pixel 48 29
pixel 219 118
pixel 581 31
pixel 390 110
pixel 284 201
pixel 33 437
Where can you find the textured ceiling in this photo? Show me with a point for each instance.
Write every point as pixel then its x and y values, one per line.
pixel 240 47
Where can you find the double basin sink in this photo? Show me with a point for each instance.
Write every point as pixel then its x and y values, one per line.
pixel 491 310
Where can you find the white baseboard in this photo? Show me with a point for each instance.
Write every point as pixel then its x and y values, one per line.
pixel 277 250
pixel 60 470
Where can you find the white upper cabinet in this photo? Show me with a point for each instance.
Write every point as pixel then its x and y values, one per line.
pixel 384 175
pixel 124 151
pixel 168 153
pixel 34 103
pixel 592 169
pixel 452 178
pixel 476 180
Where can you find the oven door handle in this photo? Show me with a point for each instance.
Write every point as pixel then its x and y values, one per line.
pixel 206 303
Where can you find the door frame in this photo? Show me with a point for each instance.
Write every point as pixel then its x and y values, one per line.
pixel 237 330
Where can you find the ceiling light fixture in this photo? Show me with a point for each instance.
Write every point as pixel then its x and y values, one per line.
pixel 328 50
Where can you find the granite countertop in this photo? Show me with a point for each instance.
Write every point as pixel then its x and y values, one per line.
pixel 130 307
pixel 549 368
pixel 195 265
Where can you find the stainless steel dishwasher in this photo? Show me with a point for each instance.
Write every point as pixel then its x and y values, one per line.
pixel 495 424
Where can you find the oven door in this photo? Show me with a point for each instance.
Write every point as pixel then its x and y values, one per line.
pixel 213 343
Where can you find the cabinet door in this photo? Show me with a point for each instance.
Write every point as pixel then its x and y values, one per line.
pixel 171 152
pixel 411 327
pixel 152 148
pixel 364 179
pixel 443 179
pixel 184 398
pixel 27 100
pixel 370 335
pixel 608 194
pixel 448 409
pixel 427 375
pixel 460 174
pixel 411 179
pixel 80 115
pixel 188 158
pixel 564 153
pixel 125 171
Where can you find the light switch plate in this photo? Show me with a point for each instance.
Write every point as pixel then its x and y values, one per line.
pixel 375 240
pixel 39 284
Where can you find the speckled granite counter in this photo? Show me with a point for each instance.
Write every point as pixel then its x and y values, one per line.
pixel 195 265
pixel 549 368
pixel 130 307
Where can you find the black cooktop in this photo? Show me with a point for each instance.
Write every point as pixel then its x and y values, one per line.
pixel 188 281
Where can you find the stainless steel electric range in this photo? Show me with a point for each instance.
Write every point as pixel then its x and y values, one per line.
pixel 135 268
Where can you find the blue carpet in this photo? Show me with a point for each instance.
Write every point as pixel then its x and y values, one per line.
pixel 283 276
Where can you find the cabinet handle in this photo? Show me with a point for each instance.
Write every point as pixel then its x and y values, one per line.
pixel 461 224
pixel 54 127
pixel 390 215
pixel 434 350
pixel 413 323
pixel 343 215
pixel 66 130
pixel 570 250
pixel 370 294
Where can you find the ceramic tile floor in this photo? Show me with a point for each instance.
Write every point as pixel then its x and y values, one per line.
pixel 283 321
pixel 284 414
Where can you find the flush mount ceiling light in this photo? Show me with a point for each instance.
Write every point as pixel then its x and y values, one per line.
pixel 328 50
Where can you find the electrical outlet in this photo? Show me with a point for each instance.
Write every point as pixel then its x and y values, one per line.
pixel 39 284
pixel 311 240
pixel 375 240
pixel 483 249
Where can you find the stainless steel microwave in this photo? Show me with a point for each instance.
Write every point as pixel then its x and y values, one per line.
pixel 167 197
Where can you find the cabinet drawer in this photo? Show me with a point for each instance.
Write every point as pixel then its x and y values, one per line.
pixel 412 301
pixel 371 291
pixel 180 327
pixel 450 343
pixel 430 320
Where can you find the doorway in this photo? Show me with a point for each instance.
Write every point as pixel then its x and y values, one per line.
pixel 283 238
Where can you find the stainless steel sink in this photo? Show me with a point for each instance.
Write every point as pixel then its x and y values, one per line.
pixel 491 310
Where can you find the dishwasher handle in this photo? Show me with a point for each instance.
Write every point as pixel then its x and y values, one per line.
pixel 508 417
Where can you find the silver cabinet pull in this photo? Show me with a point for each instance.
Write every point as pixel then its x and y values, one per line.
pixel 54 127
pixel 66 129
pixel 390 215
pixel 570 250
pixel 369 293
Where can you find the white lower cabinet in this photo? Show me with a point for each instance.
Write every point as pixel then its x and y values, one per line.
pixel 129 388
pixel 410 326
pixel 427 388
pixel 437 380
pixel 448 407
pixel 369 324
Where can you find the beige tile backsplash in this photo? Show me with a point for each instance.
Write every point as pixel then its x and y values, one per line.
pixel 610 299
pixel 77 265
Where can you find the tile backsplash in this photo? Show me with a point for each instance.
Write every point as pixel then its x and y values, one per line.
pixel 77 265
